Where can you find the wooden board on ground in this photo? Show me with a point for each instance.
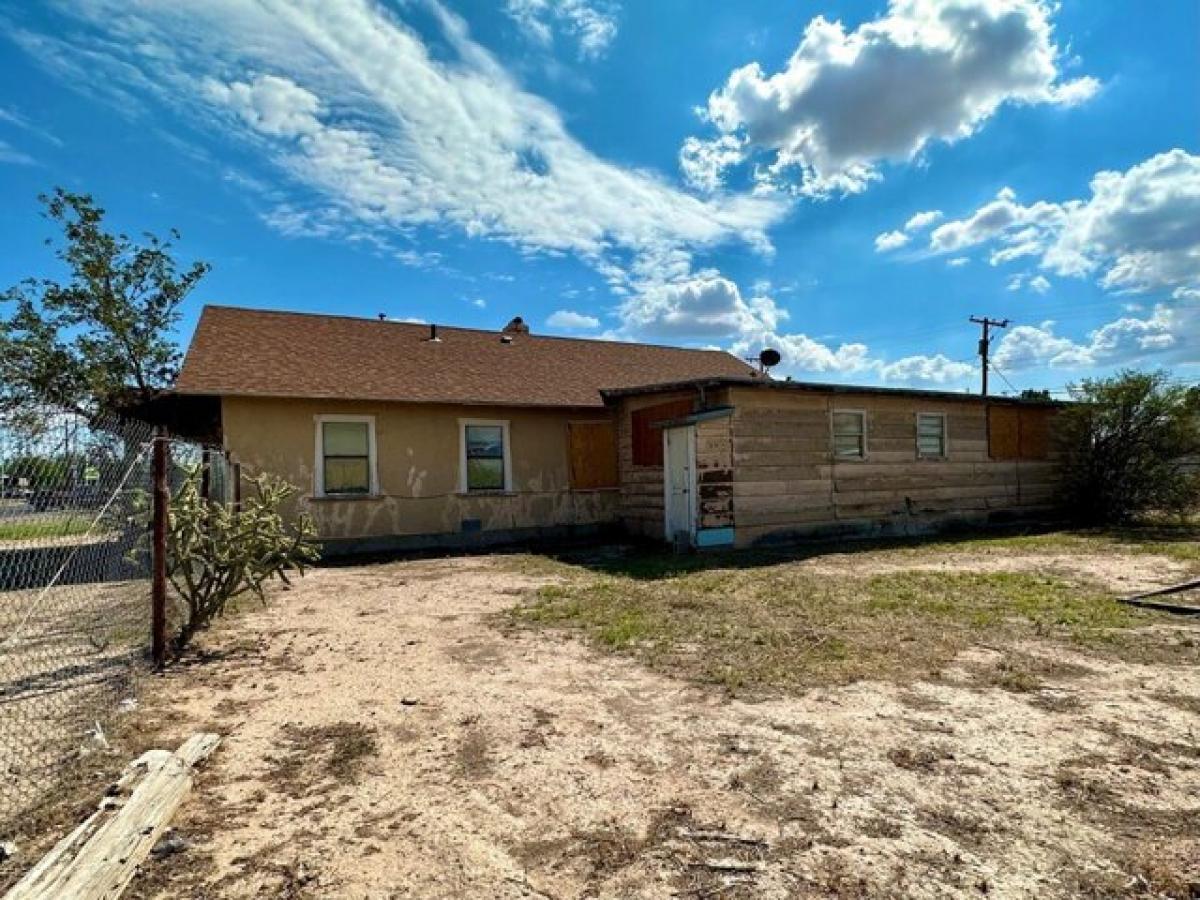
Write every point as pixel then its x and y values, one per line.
pixel 100 857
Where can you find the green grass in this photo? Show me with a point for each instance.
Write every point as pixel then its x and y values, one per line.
pixel 35 528
pixel 780 625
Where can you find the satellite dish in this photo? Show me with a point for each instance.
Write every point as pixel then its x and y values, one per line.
pixel 769 358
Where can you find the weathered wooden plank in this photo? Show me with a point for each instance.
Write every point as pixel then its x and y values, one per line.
pixel 99 859
pixel 779 488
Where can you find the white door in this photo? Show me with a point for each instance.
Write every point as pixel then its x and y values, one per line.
pixel 679 455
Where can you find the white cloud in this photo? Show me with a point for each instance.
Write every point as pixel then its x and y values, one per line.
pixel 270 105
pixel 927 70
pixel 890 240
pixel 569 320
pixel 703 162
pixel 379 135
pixel 1126 340
pixel 593 25
pixel 937 369
pixel 922 220
pixel 957 262
pixel 710 308
pixel 893 240
pixel 704 306
pixel 1039 284
pixel 1137 231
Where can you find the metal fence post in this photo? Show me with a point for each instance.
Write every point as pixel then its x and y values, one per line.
pixel 158 586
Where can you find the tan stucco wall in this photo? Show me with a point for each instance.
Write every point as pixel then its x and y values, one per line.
pixel 418 465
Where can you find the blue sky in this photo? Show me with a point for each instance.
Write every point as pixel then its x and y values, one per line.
pixel 846 181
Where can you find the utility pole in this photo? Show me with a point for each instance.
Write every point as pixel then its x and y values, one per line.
pixel 985 342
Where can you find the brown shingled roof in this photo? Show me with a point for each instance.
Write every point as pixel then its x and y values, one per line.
pixel 250 352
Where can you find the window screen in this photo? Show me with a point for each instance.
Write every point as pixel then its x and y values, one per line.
pixel 485 457
pixel 347 464
pixel 931 435
pixel 849 434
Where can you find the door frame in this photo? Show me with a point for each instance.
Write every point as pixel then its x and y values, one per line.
pixel 691 491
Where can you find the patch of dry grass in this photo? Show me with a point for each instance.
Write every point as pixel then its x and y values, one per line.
pixel 920 758
pixel 781 625
pixel 319 757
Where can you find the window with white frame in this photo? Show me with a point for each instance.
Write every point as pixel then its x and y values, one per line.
pixel 485 461
pixel 849 434
pixel 345 456
pixel 931 435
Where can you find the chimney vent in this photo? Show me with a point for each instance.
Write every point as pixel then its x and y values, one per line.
pixel 516 326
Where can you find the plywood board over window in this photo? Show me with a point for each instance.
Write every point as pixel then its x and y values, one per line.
pixel 1016 433
pixel 648 440
pixel 1034 440
pixel 593 455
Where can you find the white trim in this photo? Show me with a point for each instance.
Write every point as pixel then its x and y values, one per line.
pixel 692 488
pixel 319 457
pixel 945 454
pixel 832 435
pixel 463 487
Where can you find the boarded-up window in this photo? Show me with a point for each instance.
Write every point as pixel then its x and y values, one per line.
pixel 648 440
pixel 1035 433
pixel 593 448
pixel 1017 433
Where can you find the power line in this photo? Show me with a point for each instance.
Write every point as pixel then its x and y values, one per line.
pixel 1004 377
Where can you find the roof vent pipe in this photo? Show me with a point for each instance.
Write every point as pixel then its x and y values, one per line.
pixel 433 335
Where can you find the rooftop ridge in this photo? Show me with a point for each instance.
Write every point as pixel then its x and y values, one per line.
pixel 444 328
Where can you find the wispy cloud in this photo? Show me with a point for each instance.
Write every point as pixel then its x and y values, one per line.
pixel 9 116
pixel 377 134
pixel 9 154
pixel 591 24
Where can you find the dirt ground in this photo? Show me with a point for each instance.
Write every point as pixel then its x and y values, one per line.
pixel 387 736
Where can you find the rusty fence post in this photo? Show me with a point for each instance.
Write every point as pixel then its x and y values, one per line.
pixel 158 582
pixel 206 474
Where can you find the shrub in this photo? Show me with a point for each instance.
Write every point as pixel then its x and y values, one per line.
pixel 216 553
pixel 1128 442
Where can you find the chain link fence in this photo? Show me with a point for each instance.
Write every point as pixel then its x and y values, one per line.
pixel 75 566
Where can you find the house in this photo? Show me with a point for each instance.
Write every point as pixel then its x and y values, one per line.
pixel 743 461
pixel 402 436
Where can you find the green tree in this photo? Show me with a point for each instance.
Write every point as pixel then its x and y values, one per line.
pixel 1128 442
pixel 98 341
